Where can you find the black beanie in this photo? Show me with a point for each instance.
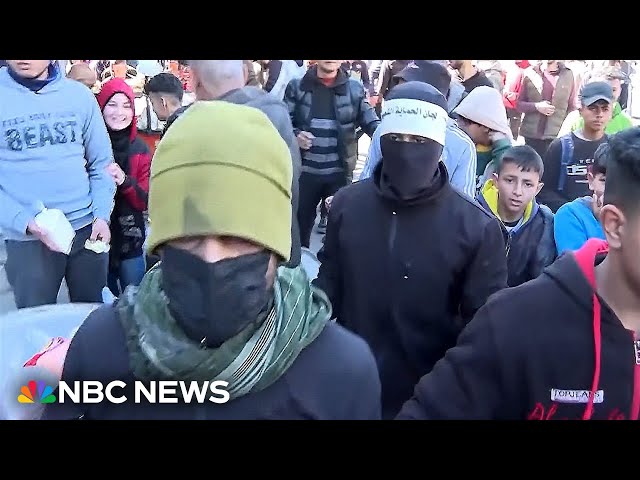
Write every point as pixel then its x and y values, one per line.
pixel 427 71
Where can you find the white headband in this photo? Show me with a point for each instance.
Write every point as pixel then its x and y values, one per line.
pixel 414 117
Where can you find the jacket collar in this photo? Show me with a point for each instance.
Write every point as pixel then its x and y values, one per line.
pixel 310 80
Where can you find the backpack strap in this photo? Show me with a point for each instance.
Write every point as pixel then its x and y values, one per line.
pixel 566 157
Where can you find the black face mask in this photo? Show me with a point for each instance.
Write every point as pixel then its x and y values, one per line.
pixel 409 168
pixel 213 302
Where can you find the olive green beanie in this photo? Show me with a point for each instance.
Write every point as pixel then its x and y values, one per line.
pixel 222 169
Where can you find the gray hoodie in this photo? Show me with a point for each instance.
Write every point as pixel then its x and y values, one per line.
pixel 54 153
pixel 277 112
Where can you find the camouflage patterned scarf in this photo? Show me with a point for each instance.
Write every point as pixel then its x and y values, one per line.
pixel 251 361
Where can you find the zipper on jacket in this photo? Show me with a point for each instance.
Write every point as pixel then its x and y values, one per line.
pixel 635 403
pixel 508 246
pixel 392 230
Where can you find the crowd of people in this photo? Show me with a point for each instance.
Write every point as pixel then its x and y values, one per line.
pixel 476 268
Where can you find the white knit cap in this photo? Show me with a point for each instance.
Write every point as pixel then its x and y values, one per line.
pixel 484 106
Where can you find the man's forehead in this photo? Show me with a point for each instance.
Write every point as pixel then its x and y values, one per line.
pixel 599 103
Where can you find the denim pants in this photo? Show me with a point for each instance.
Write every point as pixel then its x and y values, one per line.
pixel 129 272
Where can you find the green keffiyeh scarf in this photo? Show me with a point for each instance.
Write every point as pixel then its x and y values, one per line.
pixel 251 361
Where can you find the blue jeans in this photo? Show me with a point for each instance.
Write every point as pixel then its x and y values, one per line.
pixel 130 272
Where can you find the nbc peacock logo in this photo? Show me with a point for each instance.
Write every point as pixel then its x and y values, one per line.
pixel 36 392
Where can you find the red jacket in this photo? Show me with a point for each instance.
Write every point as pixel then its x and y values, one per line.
pixel 127 220
pixel 135 189
pixel 513 84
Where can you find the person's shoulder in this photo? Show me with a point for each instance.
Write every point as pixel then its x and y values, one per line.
pixel 101 323
pixel 295 82
pixel 336 377
pixel 545 212
pixel 139 147
pixel 353 191
pixel 355 86
pixel 579 207
pixel 520 307
pixel 556 143
pixel 456 135
pixel 336 347
pixel 464 203
pixel 79 90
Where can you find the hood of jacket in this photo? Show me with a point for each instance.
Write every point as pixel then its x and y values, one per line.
pixel 53 82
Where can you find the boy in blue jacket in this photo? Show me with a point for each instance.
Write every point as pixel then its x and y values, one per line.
pixel 578 221
pixel 510 194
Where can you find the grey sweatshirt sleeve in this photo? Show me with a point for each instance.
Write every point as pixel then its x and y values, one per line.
pixel 99 155
pixel 13 215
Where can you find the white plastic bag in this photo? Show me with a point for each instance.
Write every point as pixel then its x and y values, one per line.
pixel 58 227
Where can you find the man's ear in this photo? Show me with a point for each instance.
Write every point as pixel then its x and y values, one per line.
pixel 540 185
pixel 613 223
pixel 494 177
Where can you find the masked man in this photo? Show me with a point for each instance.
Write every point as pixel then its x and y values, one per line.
pixel 220 306
pixel 431 253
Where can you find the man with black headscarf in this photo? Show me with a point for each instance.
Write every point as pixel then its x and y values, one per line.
pixel 433 255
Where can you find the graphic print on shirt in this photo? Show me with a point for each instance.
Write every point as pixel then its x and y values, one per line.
pixel 40 130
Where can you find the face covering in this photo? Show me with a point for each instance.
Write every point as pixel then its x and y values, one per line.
pixel 213 302
pixel 407 167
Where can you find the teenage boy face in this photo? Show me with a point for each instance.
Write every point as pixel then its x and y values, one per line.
pixel 597 115
pixel 516 187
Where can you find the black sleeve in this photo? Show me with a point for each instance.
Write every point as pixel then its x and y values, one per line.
pixel 291 101
pixel 330 276
pixel 549 194
pixel 98 352
pixel 274 68
pixel 367 118
pixel 487 273
pixel 385 78
pixel 467 384
pixel 365 79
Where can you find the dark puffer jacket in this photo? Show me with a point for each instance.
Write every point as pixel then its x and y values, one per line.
pixel 351 106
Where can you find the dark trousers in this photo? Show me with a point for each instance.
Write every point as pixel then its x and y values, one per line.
pixel 36 273
pixel 313 188
pixel 538 145
pixel 515 119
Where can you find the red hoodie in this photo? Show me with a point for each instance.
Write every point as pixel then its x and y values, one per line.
pixel 586 258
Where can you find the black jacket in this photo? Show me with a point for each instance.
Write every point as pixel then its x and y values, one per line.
pixel 407 278
pixel 173 117
pixel 316 387
pixel 352 110
pixel 530 247
pixel 529 354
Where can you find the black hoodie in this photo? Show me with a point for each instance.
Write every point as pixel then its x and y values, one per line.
pixel 407 276
pixel 550 349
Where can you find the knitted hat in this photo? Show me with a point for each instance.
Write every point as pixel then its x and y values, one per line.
pixel 484 106
pixel 415 108
pixel 222 169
